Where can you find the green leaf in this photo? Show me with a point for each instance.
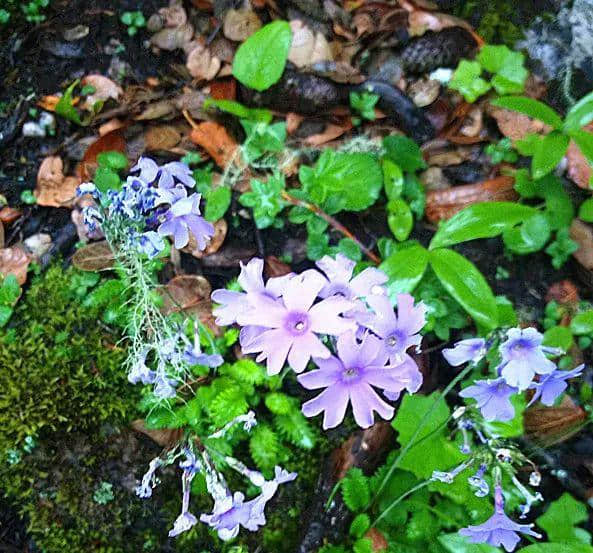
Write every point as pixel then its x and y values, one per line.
pixel 483 220
pixel 364 104
pixel 420 458
pixel 393 179
pixel 218 201
pixel 454 543
pixel 5 314
pixel 363 545
pixel 278 403
pixel 360 525
pixel 10 290
pixel 399 219
pixel 559 208
pixel 558 337
pixel 586 210
pixel 530 107
pixel 560 519
pixel 467 285
pixel 265 199
pixel 262 138
pixel 508 66
pixel 468 82
pixel 264 446
pixel 355 490
pixel 260 60
pixel 582 323
pixel 506 312
pixel 561 248
pixel 239 110
pixel 405 268
pixel 112 160
pixel 317 246
pixel 342 181
pixel 548 154
pixel 65 106
pixel 350 249
pixel 106 179
pixel 556 548
pixel 530 236
pixel 580 114
pixel 584 141
pixel 295 428
pixel 404 152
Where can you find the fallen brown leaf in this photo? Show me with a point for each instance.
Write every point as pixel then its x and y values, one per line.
pixel 564 292
pixel 220 231
pixel 579 169
pixel 163 137
pixel 157 110
pixel 443 204
pixel 331 132
pixel 515 125
pixel 215 139
pixel 173 38
pixel 547 426
pixel 223 89
pixel 201 64
pixel 105 89
pixel 53 188
pixel 582 234
pixel 173 15
pixel 96 256
pixel 307 47
pixel 293 121
pixel 273 267
pixel 14 261
pixel 9 214
pixel 111 142
pixel 165 437
pixel 1 234
pixel 240 24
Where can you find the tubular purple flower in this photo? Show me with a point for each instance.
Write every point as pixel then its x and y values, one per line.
pixel 140 372
pixel 551 386
pixel 492 397
pixel 498 530
pixel 449 476
pixel 167 174
pixel 477 481
pixel 184 216
pixel 164 387
pixel 350 378
pixel 471 350
pixel 398 333
pixel 292 323
pixel 185 520
pixel 144 490
pixel 150 243
pixel 339 274
pixel 523 356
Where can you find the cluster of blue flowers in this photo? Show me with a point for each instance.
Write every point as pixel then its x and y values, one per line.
pixel 152 204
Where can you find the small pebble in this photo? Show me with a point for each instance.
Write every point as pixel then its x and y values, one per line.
pixel 75 33
pixel 424 92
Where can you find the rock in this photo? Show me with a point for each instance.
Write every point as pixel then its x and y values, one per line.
pixel 38 244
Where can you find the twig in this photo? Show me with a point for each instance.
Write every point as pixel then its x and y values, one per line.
pixel 333 222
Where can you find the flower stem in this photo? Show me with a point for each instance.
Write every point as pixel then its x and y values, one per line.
pixel 399 500
pixel 419 428
pixel 333 222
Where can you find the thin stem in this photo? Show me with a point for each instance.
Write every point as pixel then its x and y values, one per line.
pixel 399 500
pixel 421 425
pixel 333 222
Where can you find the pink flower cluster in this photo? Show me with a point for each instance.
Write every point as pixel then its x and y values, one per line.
pixel 344 323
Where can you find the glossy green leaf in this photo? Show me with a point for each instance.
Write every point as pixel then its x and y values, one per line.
pixel 455 543
pixel 218 201
pixel 466 284
pixel 65 106
pixel 558 337
pixel 586 210
pixel 582 324
pixel 584 140
pixel 241 111
pixel 507 66
pixel 548 154
pixel 528 237
pixel 393 179
pixel 404 152
pixel 560 519
pixel 556 548
pixel 482 220
pixel 260 60
pixel 580 114
pixel 467 81
pixel 532 108
pixel 405 268
pixel 106 179
pixel 399 219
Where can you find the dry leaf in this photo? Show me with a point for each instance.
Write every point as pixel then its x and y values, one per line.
pixel 515 125
pixel 105 89
pixel 293 121
pixel 1 234
pixel 223 89
pixel 331 132
pixel 49 103
pixel 37 245
pixel 552 425
pixel 96 256
pixel 14 261
pixel 582 234
pixel 157 110
pixel 579 169
pixel 111 142
pixel 424 92
pixel 111 125
pixel 564 292
pixel 201 64
pixel 173 16
pixel 378 541
pixel 165 437
pixel 53 188
pixel 220 231
pixel 273 267
pixel 215 139
pixel 443 204
pixel 163 137
pixel 172 39
pixel 240 24
pixel 307 47
pixel 421 21
pixel 9 215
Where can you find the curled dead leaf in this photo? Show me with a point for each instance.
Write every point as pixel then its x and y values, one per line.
pixel 163 137
pixel 96 256
pixel 110 142
pixel 307 47
pixel 174 15
pixel 240 24
pixel 201 64
pixel 14 261
pixel 443 204
pixel 579 169
pixel 273 267
pixel 157 110
pixel 515 125
pixel 105 89
pixel 331 132
pixel 552 425
pixel 165 437
pixel 53 188
pixel 9 214
pixel 173 38
pixel 184 292
pixel 217 142
pixel 582 234
pixel 564 292
pixel 220 231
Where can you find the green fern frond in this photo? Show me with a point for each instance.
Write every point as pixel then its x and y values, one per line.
pixel 355 490
pixel 264 447
pixel 295 428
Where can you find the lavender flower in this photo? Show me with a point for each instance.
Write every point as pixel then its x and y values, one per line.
pixel 449 476
pixel 150 243
pixel 140 372
pixel 498 529
pixel 477 481
pixel 185 520
pixel 523 356
pixel 398 333
pixel 184 216
pixel 471 350
pixel 164 387
pixel 339 274
pixel 167 174
pixel 492 398
pixel 349 378
pixel 144 490
pixel 292 322
pixel 551 386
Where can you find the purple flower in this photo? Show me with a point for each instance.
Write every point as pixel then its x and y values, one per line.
pixel 164 387
pixel 150 243
pixel 339 273
pixel 398 333
pixel 409 377
pixel 523 356
pixel 184 522
pixel 140 372
pixel 552 385
pixel 498 529
pixel 149 171
pixel 472 350
pixel 184 216
pixel 144 490
pixel 477 481
pixel 349 378
pixel 193 356
pixel 291 323
pixel 492 398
